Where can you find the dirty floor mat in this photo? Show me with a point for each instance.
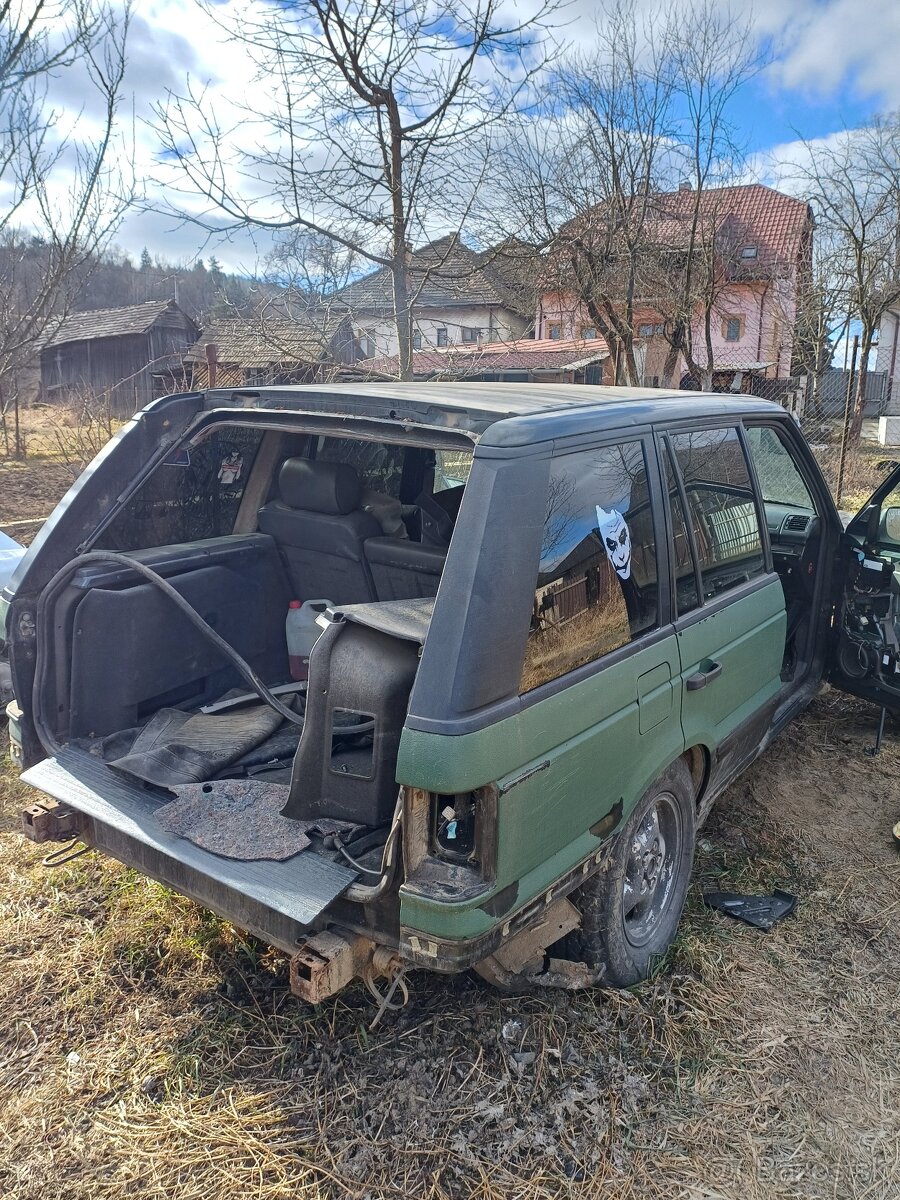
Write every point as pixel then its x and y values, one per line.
pixel 241 818
pixel 178 747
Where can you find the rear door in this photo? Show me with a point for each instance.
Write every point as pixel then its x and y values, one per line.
pixel 730 621
pixel 865 653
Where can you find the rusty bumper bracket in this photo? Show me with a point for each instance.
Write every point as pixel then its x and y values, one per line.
pixel 49 821
pixel 328 961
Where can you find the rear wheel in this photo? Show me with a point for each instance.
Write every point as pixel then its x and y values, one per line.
pixel 631 907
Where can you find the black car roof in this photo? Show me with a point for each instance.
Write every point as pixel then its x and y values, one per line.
pixel 500 414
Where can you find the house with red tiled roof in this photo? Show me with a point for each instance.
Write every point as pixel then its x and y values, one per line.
pixel 526 360
pixel 761 242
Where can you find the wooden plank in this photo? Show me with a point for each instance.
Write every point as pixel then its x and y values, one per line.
pixel 24 521
pixel 299 888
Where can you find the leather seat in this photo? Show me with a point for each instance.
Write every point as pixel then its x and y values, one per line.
pixel 320 529
pixel 404 570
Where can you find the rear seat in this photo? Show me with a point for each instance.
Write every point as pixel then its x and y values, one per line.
pixel 404 570
pixel 320 529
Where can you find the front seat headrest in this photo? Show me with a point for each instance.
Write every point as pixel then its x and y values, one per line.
pixel 323 487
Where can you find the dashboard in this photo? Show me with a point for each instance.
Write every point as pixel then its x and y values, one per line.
pixel 790 528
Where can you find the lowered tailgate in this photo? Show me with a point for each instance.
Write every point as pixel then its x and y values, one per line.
pixel 274 900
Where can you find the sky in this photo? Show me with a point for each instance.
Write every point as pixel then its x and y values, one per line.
pixel 834 64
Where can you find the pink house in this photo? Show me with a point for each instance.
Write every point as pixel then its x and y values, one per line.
pixel 762 242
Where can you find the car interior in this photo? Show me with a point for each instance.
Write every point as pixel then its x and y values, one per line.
pixel 240 524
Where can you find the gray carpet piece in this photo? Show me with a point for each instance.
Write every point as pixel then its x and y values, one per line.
pixel 241 818
pixel 406 619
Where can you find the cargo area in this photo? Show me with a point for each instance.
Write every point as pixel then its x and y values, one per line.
pixel 315 561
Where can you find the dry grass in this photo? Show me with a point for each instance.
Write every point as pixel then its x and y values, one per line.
pixel 557 649
pixel 149 1050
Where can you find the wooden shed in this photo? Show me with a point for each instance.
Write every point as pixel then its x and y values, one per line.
pixel 267 351
pixel 130 355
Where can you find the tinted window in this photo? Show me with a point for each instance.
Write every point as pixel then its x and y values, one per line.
pixel 379 466
pixel 194 494
pixel 721 507
pixel 686 597
pixel 597 586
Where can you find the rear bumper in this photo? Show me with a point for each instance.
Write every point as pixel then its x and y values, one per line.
pixel 276 901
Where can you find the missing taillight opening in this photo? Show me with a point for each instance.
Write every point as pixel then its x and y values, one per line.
pixel 453 826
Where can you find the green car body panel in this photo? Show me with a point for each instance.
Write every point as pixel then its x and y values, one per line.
pixel 745 636
pixel 603 740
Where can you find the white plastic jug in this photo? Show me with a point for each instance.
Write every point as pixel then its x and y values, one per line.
pixel 301 632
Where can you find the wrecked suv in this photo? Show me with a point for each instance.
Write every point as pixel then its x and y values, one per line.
pixel 551 625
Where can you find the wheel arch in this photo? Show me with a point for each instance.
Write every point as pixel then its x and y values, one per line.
pixel 699 761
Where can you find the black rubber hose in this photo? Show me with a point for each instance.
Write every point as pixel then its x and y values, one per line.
pixel 240 664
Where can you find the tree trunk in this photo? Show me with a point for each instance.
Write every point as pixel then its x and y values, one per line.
pixel 402 318
pixel 674 352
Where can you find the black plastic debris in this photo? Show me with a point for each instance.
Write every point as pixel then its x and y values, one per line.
pixel 761 911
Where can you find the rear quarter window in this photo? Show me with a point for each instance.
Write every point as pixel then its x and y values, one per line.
pixel 597 583
pixel 194 494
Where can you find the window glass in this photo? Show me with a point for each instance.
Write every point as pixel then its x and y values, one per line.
pixel 733 329
pixel 194 494
pixel 780 481
pixel 686 598
pixel 379 466
pixel 442 337
pixel 722 509
pixel 451 468
pixel 597 586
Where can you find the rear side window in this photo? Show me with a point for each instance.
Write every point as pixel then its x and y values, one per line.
pixel 721 508
pixel 195 493
pixel 597 584
pixel 378 465
pixel 686 595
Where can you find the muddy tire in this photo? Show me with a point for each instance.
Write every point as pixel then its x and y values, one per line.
pixel 631 907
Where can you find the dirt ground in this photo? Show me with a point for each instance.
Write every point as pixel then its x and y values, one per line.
pixel 149 1050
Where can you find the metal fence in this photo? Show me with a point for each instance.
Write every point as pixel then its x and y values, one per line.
pixel 833 392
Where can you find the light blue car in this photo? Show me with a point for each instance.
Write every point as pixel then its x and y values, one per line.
pixel 11 554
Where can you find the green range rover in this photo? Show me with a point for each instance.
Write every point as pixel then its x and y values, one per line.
pixel 546 626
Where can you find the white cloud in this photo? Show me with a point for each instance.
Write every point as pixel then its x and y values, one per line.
pixel 825 48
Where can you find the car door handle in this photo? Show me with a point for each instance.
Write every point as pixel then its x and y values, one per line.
pixel 701 678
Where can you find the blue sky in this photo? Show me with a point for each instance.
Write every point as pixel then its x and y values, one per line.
pixel 835 62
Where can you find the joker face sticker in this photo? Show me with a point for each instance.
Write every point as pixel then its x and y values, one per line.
pixel 616 539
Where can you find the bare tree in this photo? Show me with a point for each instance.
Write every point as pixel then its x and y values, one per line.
pixel 648 109
pixel 821 316
pixel 379 128
pixel 65 195
pixel 854 185
pixel 714 57
pixel 581 178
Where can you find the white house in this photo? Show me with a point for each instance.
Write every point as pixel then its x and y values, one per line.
pixel 460 297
